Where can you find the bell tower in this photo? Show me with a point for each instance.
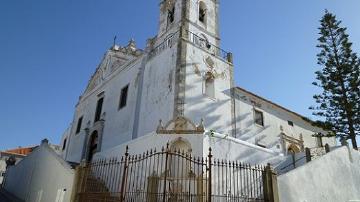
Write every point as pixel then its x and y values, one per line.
pixel 195 15
pixel 171 12
pixel 186 73
pixel 203 19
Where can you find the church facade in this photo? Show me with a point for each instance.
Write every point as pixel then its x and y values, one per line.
pixel 180 87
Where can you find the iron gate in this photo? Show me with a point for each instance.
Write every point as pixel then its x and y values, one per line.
pixel 172 175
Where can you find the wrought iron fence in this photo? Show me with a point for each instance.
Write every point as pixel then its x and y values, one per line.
pixel 171 175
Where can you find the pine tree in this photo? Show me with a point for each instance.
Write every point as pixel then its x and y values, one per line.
pixel 339 102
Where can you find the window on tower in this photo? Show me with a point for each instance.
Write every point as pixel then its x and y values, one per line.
pixel 209 85
pixel 202 12
pixel 171 14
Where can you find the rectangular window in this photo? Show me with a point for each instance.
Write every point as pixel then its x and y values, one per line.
pixel 291 123
pixel 123 97
pixel 78 127
pixel 98 109
pixel 64 144
pixel 259 118
pixel 209 88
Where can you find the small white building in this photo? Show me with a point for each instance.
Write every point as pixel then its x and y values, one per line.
pixel 180 86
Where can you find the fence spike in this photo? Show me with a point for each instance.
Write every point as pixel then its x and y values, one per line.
pixel 127 149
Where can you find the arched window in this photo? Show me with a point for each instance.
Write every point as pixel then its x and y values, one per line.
pixel 202 12
pixel 210 85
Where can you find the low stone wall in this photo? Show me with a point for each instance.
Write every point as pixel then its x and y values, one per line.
pixel 333 177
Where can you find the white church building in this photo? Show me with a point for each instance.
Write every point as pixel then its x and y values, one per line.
pixel 168 123
pixel 180 90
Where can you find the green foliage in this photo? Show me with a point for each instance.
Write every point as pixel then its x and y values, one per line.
pixel 339 79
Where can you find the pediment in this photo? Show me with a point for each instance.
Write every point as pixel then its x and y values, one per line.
pixel 108 65
pixel 180 125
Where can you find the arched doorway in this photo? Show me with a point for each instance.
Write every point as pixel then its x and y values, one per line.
pixel 93 145
pixel 292 149
pixel 180 165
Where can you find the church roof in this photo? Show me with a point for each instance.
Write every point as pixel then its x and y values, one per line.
pixel 274 104
pixel 21 150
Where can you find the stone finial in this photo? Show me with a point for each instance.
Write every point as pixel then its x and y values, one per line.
pixel 44 141
pixel 132 45
pixel 201 127
pixel 160 126
pixel 115 47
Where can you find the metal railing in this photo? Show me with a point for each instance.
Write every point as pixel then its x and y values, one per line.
pixel 198 41
pixel 291 165
pixel 171 175
pixel 204 44
pixel 168 42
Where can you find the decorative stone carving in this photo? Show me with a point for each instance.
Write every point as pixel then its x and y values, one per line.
pixel 131 46
pixel 116 64
pixel 196 69
pixel 167 5
pixel 211 68
pixel 287 140
pixel 180 125
pixel 209 62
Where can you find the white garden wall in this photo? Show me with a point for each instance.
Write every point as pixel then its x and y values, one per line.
pixel 42 176
pixel 332 178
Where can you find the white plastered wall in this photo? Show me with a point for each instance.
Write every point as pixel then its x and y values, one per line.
pixel 41 176
pixel 275 123
pixel 332 178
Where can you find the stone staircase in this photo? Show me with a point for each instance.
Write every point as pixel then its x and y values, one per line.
pixel 96 190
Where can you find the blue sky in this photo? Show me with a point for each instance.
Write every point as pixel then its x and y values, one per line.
pixel 50 48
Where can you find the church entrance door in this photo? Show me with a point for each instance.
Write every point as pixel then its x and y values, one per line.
pixel 94 139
